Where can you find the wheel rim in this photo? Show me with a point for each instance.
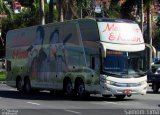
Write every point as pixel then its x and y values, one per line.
pixel 69 89
pixel 20 85
pixel 27 87
pixel 155 89
pixel 81 90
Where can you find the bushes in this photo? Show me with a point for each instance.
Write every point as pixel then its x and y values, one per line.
pixel 2 76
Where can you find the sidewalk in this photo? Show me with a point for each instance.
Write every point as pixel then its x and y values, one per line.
pixel 2 82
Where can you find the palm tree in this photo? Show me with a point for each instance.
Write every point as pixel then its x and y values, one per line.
pixel 51 13
pixel 42 13
pixel 147 5
pixel 85 7
pixel 5 9
pixel 71 9
pixel 67 9
pixel 60 10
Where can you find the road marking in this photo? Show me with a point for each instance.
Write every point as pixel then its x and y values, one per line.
pixel 111 103
pixel 73 111
pixel 103 103
pixel 33 103
pixel 12 89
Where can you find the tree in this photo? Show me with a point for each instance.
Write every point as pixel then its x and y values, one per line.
pixel 85 8
pixel 129 9
pixel 67 9
pixel 70 7
pixel 26 2
pixel 60 10
pixel 41 12
pixel 51 13
pixel 5 9
pixel 114 10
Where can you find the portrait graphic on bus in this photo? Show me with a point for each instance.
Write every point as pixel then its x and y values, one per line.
pixel 56 54
pixel 37 53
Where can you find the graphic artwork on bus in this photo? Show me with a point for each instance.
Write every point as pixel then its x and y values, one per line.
pixel 37 54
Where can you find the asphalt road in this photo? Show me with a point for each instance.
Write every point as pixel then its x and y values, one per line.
pixel 14 103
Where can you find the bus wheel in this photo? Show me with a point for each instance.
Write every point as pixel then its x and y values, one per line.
pixel 68 89
pixel 80 89
pixel 19 85
pixel 120 97
pixel 27 85
pixel 155 87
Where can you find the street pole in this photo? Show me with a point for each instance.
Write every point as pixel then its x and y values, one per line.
pixel 142 16
pixel 42 14
pixel 81 10
pixel 60 11
pixel 150 33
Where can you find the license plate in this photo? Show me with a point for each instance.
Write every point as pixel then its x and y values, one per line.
pixel 127 91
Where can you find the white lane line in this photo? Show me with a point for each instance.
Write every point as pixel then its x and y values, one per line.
pixel 33 103
pixel 73 111
pixel 103 103
pixel 12 89
pixel 111 103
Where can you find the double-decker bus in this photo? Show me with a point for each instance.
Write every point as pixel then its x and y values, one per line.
pixel 80 57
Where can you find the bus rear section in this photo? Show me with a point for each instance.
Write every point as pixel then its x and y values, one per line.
pixel 54 57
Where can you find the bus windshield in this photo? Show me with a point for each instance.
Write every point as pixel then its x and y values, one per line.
pixel 124 64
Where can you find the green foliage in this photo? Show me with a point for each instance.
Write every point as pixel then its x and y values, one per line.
pixel 26 2
pixel 5 9
pixel 2 76
pixel 20 20
pixel 28 17
pixel 114 11
pixel 127 9
pixel 46 10
pixel 156 40
pixel 147 3
pixel 84 4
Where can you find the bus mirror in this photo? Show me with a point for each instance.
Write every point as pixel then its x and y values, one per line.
pixel 8 65
pixel 2 64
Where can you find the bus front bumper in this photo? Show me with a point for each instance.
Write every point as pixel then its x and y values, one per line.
pixel 107 89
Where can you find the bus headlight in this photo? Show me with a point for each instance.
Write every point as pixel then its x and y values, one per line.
pixel 103 80
pixel 110 82
pixel 143 82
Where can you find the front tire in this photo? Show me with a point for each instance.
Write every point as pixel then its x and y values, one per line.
pixel 20 87
pixel 120 97
pixel 27 86
pixel 155 87
pixel 80 90
pixel 68 88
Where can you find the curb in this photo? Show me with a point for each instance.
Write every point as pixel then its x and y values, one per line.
pixel 2 82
